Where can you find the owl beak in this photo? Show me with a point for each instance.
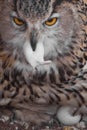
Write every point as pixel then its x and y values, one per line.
pixel 33 40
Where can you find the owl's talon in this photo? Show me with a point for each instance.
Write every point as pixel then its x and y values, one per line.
pixel 68 128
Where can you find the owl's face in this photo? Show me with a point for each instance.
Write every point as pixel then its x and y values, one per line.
pixel 39 30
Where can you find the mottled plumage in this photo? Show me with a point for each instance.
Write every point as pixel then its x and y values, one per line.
pixel 41 66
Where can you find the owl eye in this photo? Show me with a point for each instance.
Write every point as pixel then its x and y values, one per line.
pixel 18 21
pixel 51 22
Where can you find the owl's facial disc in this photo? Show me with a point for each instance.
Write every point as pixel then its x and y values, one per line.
pixel 35 57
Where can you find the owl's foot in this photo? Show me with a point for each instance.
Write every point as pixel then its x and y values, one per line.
pixel 65 115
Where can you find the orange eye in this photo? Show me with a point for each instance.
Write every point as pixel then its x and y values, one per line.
pixel 19 22
pixel 51 22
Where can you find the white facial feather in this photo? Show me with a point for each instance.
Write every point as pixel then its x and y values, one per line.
pixel 35 57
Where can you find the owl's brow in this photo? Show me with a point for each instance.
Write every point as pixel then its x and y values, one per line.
pixel 15 5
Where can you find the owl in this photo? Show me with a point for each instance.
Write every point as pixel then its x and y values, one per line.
pixel 42 57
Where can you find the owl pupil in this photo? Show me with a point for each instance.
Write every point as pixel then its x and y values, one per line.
pixel 50 20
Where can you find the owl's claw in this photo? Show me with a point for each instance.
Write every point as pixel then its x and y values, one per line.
pixel 68 128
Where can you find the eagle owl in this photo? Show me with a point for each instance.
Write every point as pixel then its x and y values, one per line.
pixel 41 58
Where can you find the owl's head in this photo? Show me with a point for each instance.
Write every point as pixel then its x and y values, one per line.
pixel 40 30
